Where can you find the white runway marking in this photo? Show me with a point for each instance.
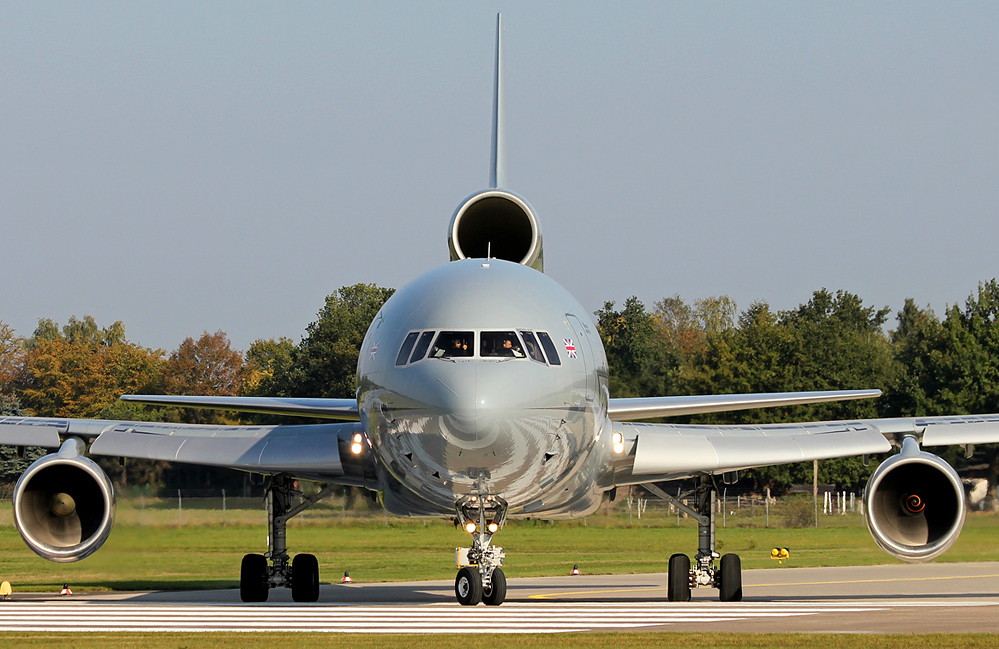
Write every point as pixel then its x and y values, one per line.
pixel 509 618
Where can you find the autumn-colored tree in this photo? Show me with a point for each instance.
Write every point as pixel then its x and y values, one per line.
pixel 82 369
pixel 206 366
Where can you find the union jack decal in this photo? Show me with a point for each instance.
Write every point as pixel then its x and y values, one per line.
pixel 374 350
pixel 570 349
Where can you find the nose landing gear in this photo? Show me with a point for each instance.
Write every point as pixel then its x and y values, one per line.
pixel 682 577
pixel 480 567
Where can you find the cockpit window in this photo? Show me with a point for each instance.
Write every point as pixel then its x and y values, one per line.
pixel 531 346
pixel 422 346
pixel 503 344
pixel 454 343
pixel 407 346
pixel 550 348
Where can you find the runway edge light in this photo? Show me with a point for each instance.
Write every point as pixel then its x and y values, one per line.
pixel 346 578
pixel 575 569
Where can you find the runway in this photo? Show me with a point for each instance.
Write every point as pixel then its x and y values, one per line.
pixel 947 598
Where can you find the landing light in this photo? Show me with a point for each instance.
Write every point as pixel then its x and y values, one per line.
pixel 356 446
pixel 618 439
pixel 493 528
pixel 470 527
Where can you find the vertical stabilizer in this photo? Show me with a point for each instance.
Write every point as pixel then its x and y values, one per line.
pixel 497 163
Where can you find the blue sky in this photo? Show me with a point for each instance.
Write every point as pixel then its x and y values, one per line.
pixel 198 166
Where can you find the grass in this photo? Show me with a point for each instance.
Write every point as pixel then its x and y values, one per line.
pixel 633 640
pixel 202 553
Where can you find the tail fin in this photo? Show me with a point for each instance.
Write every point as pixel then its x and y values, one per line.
pixel 497 164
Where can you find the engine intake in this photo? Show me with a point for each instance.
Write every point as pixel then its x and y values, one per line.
pixel 914 504
pixel 498 224
pixel 64 505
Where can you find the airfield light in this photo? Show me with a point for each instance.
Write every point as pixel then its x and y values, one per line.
pixel 356 446
pixel 493 528
pixel 470 527
pixel 618 443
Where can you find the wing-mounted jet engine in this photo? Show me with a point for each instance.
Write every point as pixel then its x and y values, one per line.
pixel 496 224
pixel 914 504
pixel 64 505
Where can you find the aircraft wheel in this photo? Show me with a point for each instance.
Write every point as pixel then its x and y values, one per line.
pixel 497 590
pixel 305 578
pixel 253 585
pixel 678 584
pixel 468 586
pixel 730 588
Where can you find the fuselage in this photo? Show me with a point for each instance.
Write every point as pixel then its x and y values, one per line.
pixel 486 376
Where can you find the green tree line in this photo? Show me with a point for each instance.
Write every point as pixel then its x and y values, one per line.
pixel 924 364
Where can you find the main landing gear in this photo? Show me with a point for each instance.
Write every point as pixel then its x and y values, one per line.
pixel 256 576
pixel 480 572
pixel 682 577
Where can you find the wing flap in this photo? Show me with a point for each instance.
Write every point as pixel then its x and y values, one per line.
pixel 674 449
pixel 21 431
pixel 299 450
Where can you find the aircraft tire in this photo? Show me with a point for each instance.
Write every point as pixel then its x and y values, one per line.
pixel 305 578
pixel 497 591
pixel 678 579
pixel 253 585
pixel 468 586
pixel 730 588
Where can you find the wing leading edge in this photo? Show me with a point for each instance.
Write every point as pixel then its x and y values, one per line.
pixel 651 407
pixel 342 409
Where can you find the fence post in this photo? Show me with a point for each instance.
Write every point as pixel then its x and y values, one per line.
pixel 725 507
pixel 180 508
pixel 223 508
pixel 768 506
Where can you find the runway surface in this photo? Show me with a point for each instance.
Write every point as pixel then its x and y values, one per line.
pixel 947 598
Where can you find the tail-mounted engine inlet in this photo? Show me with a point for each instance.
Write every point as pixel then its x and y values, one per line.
pixel 64 505
pixel 496 224
pixel 914 504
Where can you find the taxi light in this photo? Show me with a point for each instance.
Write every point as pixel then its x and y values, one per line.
pixel 356 447
pixel 470 527
pixel 618 440
pixel 493 528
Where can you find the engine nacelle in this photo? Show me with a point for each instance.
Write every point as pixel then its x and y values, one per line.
pixel 64 505
pixel 914 504
pixel 499 224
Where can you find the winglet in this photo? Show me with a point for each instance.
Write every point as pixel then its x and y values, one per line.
pixel 497 163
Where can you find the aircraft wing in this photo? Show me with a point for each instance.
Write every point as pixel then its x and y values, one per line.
pixel 650 407
pixel 309 451
pixel 656 452
pixel 344 409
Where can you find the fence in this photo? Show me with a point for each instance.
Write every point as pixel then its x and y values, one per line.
pixel 633 507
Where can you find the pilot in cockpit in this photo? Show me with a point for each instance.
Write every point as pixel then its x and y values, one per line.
pixel 509 349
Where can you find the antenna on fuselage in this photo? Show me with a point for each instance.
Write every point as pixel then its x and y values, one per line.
pixel 497 164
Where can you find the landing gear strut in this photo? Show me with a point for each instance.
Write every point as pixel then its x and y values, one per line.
pixel 480 575
pixel 682 577
pixel 256 575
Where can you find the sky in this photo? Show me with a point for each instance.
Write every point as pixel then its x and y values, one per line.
pixel 194 166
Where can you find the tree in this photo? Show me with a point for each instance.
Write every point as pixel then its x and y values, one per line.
pixel 264 360
pixel 637 357
pixel 11 359
pixel 325 363
pixel 81 369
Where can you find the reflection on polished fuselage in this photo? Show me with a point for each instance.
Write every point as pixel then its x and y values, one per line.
pixel 468 412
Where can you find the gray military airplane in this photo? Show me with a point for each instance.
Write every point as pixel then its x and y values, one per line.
pixel 482 394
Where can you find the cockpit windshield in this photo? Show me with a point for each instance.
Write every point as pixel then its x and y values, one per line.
pixel 454 343
pixel 504 344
